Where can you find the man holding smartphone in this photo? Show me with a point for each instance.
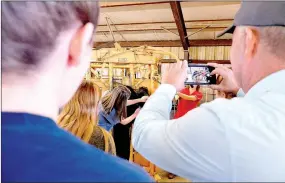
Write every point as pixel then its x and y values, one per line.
pixel 235 140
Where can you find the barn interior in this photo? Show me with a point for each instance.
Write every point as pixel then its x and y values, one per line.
pixel 133 39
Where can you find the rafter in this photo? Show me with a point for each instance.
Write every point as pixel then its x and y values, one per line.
pixel 120 4
pixel 196 61
pixel 179 20
pixel 175 43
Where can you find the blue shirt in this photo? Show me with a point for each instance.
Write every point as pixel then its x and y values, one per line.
pixel 108 121
pixel 35 149
pixel 237 140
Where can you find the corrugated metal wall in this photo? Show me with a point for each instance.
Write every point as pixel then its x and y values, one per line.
pixel 202 53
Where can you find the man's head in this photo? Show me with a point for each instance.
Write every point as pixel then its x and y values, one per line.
pixel 47 44
pixel 258 41
pixel 257 48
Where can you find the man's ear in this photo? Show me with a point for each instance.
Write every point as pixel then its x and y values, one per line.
pixel 251 42
pixel 79 44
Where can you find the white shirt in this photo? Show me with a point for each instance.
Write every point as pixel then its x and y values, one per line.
pixel 242 139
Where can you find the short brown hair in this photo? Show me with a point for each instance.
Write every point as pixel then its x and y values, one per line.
pixel 273 38
pixel 30 29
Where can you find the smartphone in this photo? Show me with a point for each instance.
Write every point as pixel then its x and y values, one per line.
pixel 200 75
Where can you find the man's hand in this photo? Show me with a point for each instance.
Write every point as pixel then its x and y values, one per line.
pixel 174 74
pixel 144 98
pixel 228 83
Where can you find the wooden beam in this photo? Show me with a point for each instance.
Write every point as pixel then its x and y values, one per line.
pixel 209 61
pixel 124 4
pixel 211 42
pixel 176 43
pixel 166 22
pixel 179 20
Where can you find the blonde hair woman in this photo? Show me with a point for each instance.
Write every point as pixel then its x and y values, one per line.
pixel 79 116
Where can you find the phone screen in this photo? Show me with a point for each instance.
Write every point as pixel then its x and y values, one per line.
pixel 200 75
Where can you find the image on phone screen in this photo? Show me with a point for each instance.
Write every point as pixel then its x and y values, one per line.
pixel 200 75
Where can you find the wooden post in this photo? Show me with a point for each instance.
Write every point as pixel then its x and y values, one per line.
pixel 88 74
pixel 132 74
pixel 186 55
pixel 152 69
pixel 111 76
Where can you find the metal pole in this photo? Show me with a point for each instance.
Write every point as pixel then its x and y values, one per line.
pixel 169 31
pixel 110 29
pixel 118 30
pixel 198 31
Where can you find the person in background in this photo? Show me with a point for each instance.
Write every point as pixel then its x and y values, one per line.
pixel 135 156
pixel 188 99
pixel 223 94
pixel 237 140
pixel 122 132
pixel 46 49
pixel 143 92
pixel 113 108
pixel 79 117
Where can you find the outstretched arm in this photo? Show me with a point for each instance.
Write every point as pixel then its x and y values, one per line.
pixel 130 118
pixel 135 101
pixel 187 97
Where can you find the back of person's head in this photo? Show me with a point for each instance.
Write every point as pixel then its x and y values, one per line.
pixel 131 108
pixel 79 115
pixel 197 87
pixel 47 42
pixel 116 99
pixel 103 140
pixel 143 91
pixel 133 92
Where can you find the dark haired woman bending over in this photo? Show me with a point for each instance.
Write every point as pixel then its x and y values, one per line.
pixel 113 108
